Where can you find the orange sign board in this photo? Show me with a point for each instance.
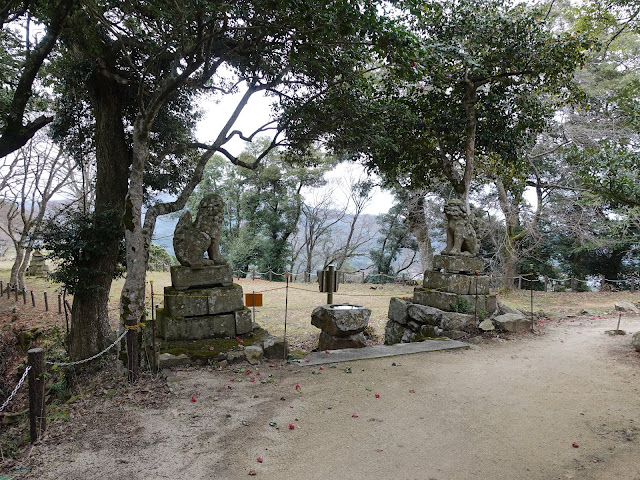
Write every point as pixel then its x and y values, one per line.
pixel 253 299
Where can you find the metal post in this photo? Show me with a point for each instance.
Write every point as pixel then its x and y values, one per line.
pixel 531 288
pixel 330 284
pixel 286 309
pixel 153 332
pixel 37 414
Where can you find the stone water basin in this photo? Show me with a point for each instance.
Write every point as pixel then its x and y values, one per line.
pixel 341 324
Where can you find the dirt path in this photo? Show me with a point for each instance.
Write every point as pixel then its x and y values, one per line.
pixel 504 410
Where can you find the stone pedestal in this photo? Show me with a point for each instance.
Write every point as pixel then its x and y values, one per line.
pixel 445 304
pixel 341 325
pixel 203 303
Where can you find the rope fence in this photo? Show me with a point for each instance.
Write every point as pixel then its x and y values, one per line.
pixel 35 371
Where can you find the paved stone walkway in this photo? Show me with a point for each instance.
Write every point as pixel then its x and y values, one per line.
pixel 350 354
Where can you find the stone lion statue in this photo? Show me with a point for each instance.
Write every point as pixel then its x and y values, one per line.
pixel 461 237
pixel 192 239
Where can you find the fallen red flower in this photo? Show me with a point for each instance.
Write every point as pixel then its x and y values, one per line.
pixel 575 445
pixel 291 426
pixel 260 459
pixel 193 399
pixel 355 415
pixel 326 351
pixel 377 395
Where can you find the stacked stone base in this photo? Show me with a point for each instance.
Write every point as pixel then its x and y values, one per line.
pixel 203 303
pixel 444 305
pixel 342 326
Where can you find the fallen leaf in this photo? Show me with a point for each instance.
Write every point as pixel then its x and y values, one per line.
pixel 379 450
pixel 412 391
pixel 252 473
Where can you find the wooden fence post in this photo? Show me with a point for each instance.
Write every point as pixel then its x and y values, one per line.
pixel 1 289
pixel 633 284
pixel 546 282
pixel 573 284
pixel 24 295
pixel 37 415
pixel 363 276
pixel 33 299
pixel 270 275
pixel 520 283
pixel 59 304
pixel 46 302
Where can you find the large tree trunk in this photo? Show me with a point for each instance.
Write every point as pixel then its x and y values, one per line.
pixel 16 279
pixel 513 234
pixel 419 228
pixel 90 328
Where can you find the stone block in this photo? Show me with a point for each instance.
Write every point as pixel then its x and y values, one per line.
pixel 253 354
pixel 624 306
pixel 409 336
pixel 393 333
pixel 329 342
pixel 236 356
pixel 425 315
pixel 429 331
pixel 458 263
pixel 340 320
pixel 275 348
pixel 439 300
pixel 458 321
pixel 203 301
pixel 487 325
pixel 512 322
pixel 166 360
pixel 458 283
pixel 398 310
pixel 196 328
pixel 635 341
pixel 454 334
pixel 183 278
pixel 243 321
pixel 451 302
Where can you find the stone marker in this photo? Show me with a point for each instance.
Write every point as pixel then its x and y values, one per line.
pixel 341 325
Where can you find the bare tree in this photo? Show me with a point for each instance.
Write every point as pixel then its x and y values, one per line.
pixel 40 171
pixel 319 216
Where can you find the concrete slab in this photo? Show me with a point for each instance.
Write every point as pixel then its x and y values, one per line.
pixel 379 351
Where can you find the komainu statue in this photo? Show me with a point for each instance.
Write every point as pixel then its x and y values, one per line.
pixel 192 239
pixel 461 237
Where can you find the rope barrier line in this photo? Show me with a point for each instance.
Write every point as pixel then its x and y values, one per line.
pixel 64 364
pixel 15 390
